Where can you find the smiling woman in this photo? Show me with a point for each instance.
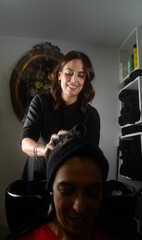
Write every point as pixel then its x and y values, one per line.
pixel 56 112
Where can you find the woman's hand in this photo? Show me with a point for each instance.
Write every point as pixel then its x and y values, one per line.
pixel 61 132
pixel 50 146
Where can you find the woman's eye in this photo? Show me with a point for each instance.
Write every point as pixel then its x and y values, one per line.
pixel 68 74
pixel 81 75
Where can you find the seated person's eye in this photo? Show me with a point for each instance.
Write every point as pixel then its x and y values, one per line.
pixel 93 194
pixel 94 191
pixel 66 191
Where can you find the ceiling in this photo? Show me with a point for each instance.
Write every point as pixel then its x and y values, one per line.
pixel 106 22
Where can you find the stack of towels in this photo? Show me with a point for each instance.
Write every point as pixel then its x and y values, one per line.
pixel 131 166
pixel 130 112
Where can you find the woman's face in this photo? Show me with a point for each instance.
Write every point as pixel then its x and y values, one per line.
pixel 77 192
pixel 72 79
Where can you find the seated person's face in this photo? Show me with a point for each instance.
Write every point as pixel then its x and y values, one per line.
pixel 77 192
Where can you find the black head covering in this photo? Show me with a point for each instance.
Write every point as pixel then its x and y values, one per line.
pixel 74 144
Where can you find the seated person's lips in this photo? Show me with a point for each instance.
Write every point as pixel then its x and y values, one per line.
pixel 77 220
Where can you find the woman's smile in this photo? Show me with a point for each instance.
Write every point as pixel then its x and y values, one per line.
pixel 72 79
pixel 71 86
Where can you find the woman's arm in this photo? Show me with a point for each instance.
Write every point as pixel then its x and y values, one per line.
pixel 29 146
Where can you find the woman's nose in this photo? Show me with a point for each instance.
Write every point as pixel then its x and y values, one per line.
pixel 79 205
pixel 73 78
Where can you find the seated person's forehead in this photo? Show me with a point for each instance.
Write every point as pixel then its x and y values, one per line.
pixel 78 169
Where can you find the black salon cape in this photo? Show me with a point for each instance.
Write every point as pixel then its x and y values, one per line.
pixel 42 121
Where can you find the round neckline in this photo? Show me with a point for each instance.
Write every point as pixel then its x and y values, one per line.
pixel 72 105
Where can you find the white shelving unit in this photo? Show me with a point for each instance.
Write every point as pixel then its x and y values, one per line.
pixel 125 53
pixel 126 49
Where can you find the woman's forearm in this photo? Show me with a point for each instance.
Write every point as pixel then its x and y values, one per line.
pixel 32 148
pixel 28 145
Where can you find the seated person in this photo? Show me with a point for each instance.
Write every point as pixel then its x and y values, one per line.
pixel 76 174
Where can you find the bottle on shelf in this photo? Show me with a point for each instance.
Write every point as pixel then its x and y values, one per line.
pixel 135 56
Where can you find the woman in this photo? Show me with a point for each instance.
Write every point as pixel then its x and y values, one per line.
pixel 52 114
pixel 76 174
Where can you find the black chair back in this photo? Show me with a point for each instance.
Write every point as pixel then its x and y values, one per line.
pixel 25 202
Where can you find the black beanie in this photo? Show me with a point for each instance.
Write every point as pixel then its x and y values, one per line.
pixel 74 144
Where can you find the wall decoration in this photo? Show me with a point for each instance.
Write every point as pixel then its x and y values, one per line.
pixel 32 75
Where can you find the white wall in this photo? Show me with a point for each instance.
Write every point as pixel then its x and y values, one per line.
pixel 105 61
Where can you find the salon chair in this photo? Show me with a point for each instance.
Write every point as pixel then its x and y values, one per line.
pixel 27 201
pixel 119 202
pixel 118 209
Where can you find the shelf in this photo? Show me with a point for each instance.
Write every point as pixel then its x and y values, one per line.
pixel 131 85
pixel 130 119
pixel 133 124
pixel 126 51
pixel 130 135
pixel 132 76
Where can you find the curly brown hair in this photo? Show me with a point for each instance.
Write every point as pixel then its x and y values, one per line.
pixel 87 94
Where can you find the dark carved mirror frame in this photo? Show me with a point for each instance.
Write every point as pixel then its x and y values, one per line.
pixel 32 75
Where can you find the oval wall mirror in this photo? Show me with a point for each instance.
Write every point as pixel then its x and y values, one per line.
pixel 32 75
